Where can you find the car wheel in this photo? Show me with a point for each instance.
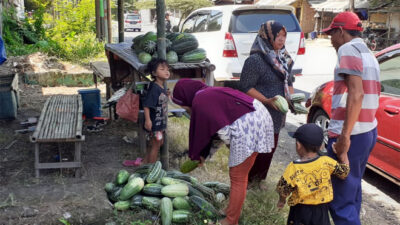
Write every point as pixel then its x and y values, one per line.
pixel 322 120
pixel 139 30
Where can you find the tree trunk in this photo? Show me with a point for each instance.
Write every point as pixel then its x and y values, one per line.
pixel 161 51
pixel 121 20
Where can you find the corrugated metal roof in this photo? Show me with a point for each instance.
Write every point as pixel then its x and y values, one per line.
pixel 275 2
pixel 337 6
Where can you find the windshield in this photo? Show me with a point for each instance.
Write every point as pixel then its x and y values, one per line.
pixel 133 17
pixel 250 21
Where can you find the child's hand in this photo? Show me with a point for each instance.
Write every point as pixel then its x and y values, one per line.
pixel 202 160
pixel 147 125
pixel 281 204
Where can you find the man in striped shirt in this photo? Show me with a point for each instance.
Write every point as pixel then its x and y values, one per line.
pixel 355 100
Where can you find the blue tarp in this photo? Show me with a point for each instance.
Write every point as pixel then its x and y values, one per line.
pixel 3 56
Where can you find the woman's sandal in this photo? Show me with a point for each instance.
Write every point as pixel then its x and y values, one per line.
pixel 136 162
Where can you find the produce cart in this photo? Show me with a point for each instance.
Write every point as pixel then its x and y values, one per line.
pixel 125 67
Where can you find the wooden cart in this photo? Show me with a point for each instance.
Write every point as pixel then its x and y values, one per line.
pixel 126 68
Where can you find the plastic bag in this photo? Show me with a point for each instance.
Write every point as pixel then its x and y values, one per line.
pixel 128 106
pixel 3 56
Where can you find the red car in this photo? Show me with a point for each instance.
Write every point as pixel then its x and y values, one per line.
pixel 385 157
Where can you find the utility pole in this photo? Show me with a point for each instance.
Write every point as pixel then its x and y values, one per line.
pixel 109 24
pixel 351 5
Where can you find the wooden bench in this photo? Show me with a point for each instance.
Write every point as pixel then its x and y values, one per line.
pixel 60 121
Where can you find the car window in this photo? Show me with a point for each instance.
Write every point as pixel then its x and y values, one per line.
pixel 189 24
pixel 215 21
pixel 390 76
pixel 250 21
pixel 133 17
pixel 201 23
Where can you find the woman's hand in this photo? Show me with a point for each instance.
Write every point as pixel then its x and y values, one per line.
pixel 270 102
pixel 202 160
pixel 148 124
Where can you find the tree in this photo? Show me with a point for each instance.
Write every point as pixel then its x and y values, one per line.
pixel 380 3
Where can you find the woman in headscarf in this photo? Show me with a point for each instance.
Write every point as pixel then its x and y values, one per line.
pixel 239 120
pixel 265 74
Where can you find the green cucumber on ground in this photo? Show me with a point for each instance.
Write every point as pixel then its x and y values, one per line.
pixel 131 188
pixel 189 165
pixel 122 205
pixel 134 175
pixel 136 201
pixel 109 187
pixel 207 208
pixel 151 203
pixel 181 203
pixel 223 188
pixel 175 190
pixel 170 180
pixel 206 191
pixel 152 189
pixel 166 211
pixel 220 197
pixel 180 216
pixel 122 177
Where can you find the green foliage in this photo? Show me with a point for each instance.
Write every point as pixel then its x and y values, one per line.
pixel 387 3
pixel 187 6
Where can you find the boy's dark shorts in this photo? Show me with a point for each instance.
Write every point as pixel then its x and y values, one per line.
pixel 309 215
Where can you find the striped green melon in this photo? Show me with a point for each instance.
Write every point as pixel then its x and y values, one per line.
pixel 151 203
pixel 298 97
pixel 194 56
pixel 154 173
pixel 281 103
pixel 300 108
pixel 149 46
pixel 122 205
pixel 152 189
pixel 122 177
pixel 180 216
pixel 184 45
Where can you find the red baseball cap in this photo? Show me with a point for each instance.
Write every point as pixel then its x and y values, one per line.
pixel 345 20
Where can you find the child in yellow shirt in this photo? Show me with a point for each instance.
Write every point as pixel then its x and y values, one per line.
pixel 308 180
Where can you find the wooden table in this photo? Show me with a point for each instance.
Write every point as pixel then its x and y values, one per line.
pixel 59 122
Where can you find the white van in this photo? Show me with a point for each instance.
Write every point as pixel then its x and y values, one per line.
pixel 228 32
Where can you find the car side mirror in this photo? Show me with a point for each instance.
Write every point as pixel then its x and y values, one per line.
pixel 175 29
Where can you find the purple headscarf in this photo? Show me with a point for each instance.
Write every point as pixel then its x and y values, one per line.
pixel 212 109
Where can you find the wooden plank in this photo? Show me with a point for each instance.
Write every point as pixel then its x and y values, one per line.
pixel 79 121
pixel 37 160
pixel 63 112
pixel 48 117
pixel 101 69
pixel 70 117
pixel 58 165
pixel 40 122
pixel 55 119
pixel 73 115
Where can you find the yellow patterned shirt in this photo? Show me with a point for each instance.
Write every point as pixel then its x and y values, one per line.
pixel 309 182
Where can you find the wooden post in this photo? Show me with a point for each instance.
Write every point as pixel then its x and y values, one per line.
pixel 97 11
pixel 161 51
pixel 109 25
pixel 121 20
pixel 1 18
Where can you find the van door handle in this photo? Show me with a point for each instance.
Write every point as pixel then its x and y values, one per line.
pixel 391 109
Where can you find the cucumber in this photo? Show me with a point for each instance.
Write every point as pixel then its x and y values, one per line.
pixel 166 211
pixel 169 180
pixel 175 190
pixel 206 191
pixel 136 201
pixel 109 187
pixel 189 165
pixel 152 189
pixel 122 177
pixel 114 194
pixel 131 188
pixel 181 203
pixel 194 56
pixel 133 175
pixel 206 207
pixel 122 205
pixel 180 216
pixel 151 203
pixel 220 197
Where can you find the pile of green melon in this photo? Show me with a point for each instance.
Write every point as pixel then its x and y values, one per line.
pixel 175 196
pixel 182 47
